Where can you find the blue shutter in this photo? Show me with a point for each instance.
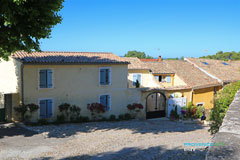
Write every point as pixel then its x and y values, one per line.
pixel 139 78
pixel 102 76
pixel 134 79
pixel 49 78
pixel 43 78
pixel 168 79
pixel 103 100
pixel 157 78
pixel 49 108
pixel 43 109
pixel 107 75
pixel 108 102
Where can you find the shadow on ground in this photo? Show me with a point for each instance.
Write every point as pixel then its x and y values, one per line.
pixel 139 153
pixel 135 126
pixel 10 130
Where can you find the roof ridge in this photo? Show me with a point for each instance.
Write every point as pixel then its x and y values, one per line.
pixel 66 52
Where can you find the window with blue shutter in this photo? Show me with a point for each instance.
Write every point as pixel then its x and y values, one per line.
pixel 46 78
pixel 46 108
pixel 105 76
pixel 168 79
pixel 135 78
pixel 105 100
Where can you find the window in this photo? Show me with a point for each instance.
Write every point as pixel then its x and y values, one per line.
pixel 168 79
pixel 105 76
pixel 105 100
pixel 45 78
pixel 46 108
pixel 200 104
pixel 205 63
pixel 135 78
pixel 159 78
pixel 224 63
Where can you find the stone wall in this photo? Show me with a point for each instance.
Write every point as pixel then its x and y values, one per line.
pixel 228 137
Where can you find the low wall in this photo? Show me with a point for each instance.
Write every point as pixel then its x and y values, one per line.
pixel 228 137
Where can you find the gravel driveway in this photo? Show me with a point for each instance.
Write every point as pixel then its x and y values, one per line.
pixel 149 139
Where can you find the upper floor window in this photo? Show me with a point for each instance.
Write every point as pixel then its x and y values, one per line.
pixel 105 76
pixel 136 77
pixel 45 78
pixel 105 100
pixel 168 79
pixel 46 108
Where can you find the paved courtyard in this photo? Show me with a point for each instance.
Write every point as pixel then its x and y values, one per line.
pixel 149 139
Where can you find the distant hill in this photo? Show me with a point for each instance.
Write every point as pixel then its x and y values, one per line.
pixel 224 56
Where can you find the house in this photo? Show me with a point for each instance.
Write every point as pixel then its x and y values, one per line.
pixel 49 79
pixel 223 71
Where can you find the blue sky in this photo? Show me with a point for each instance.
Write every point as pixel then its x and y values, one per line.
pixel 171 28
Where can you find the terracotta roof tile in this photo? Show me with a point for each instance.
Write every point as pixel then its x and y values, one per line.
pixel 68 57
pixel 135 63
pixel 190 74
pixel 159 67
pixel 223 70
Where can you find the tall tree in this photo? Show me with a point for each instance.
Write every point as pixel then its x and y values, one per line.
pixel 224 56
pixel 24 22
pixel 137 54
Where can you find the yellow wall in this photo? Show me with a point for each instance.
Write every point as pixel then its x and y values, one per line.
pixel 165 84
pixel 10 76
pixel 79 85
pixel 205 95
pixel 148 80
pixel 178 81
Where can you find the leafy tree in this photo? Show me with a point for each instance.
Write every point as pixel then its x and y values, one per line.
pixel 224 56
pixel 24 22
pixel 137 54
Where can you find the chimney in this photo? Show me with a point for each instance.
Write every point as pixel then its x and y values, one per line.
pixel 160 59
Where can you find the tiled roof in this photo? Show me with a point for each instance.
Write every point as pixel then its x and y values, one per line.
pixel 190 74
pixel 69 57
pixel 135 63
pixel 224 70
pixel 159 67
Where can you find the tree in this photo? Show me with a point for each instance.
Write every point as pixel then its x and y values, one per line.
pixel 137 54
pixel 224 56
pixel 24 22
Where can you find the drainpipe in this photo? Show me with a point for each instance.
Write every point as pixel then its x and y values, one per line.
pixel 22 87
pixel 191 100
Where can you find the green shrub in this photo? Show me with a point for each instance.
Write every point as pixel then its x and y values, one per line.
pixel 127 116
pixel 112 118
pixel 60 119
pixel 222 101
pixel 199 112
pixel 81 119
pixel 174 114
pixel 121 117
pixel 43 122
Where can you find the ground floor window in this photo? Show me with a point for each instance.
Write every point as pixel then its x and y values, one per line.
pixel 105 100
pixel 46 108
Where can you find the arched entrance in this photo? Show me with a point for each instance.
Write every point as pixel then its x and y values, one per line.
pixel 155 105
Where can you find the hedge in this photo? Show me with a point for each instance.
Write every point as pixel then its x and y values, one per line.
pixel 222 101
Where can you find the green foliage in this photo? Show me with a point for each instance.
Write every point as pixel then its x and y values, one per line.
pixel 60 119
pixel 191 111
pixel 174 114
pixel 22 109
pixel 112 118
pixel 137 84
pixel 222 101
pixel 43 122
pixel 69 110
pixel 64 107
pixel 24 22
pixel 137 54
pixel 224 56
pixel 81 119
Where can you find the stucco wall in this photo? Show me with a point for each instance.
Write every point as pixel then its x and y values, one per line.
pixel 147 79
pixel 10 76
pixel 79 85
pixel 178 81
pixel 204 96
